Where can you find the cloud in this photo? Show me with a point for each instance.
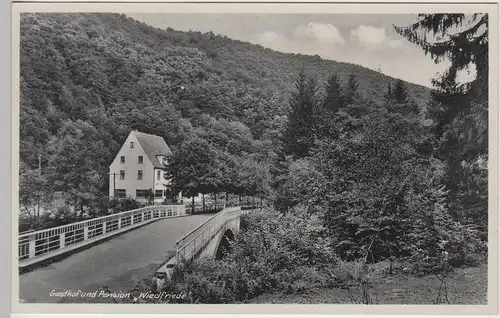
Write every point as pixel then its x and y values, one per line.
pixel 311 38
pixel 319 32
pixel 368 46
pixel 269 37
pixel 314 34
pixel 370 36
pixel 394 43
pixel 275 41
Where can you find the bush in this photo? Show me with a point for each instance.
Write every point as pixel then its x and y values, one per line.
pixel 123 204
pixel 274 252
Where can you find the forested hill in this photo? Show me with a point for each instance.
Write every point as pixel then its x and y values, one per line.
pixel 88 79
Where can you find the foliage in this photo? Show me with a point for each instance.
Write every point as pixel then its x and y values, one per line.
pixel 123 204
pixel 273 252
pixel 460 38
pixel 34 193
pixel 92 77
pixel 377 184
pixel 299 132
pixel 459 110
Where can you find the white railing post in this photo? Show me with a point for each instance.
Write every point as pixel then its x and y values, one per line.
pixel 61 240
pixel 103 228
pixel 85 232
pixel 32 242
pixel 119 223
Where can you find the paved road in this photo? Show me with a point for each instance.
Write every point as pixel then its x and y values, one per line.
pixel 118 263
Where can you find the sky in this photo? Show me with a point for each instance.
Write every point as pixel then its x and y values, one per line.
pixel 365 39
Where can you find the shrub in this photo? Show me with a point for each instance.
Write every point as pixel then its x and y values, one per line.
pixel 274 252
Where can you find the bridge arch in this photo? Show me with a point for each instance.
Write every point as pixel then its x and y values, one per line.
pixel 224 244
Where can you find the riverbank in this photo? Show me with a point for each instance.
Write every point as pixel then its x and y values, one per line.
pixel 464 286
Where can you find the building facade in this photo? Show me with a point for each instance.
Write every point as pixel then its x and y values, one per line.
pixel 140 169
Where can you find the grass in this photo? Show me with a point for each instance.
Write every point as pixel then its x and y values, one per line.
pixel 464 286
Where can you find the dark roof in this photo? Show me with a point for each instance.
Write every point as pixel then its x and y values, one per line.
pixel 153 146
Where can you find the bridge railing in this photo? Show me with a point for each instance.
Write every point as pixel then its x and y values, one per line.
pixel 192 243
pixel 37 245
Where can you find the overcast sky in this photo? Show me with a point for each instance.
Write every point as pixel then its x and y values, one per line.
pixel 365 39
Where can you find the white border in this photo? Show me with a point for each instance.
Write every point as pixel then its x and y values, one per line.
pixel 111 6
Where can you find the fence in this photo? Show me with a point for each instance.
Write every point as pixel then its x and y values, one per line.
pixel 193 242
pixel 40 245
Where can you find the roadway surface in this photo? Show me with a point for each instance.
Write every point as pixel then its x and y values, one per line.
pixel 119 263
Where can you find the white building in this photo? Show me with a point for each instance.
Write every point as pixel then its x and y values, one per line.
pixel 139 167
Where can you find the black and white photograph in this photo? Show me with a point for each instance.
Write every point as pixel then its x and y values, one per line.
pixel 256 158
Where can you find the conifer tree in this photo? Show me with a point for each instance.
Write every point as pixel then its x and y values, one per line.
pixel 332 100
pixel 463 49
pixel 333 96
pixel 351 90
pixel 299 130
pixel 400 92
pixel 388 94
pixel 459 110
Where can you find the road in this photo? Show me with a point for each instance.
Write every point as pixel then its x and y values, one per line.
pixel 119 263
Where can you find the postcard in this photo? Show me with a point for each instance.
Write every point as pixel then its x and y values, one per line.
pixel 268 158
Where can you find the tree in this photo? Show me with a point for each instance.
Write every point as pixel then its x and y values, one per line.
pixel 400 92
pixel 388 94
pixel 34 194
pixel 466 48
pixel 461 39
pixel 351 90
pixel 397 99
pixel 299 133
pixel 331 102
pixel 70 169
pixel 333 95
pixel 373 187
pixel 195 167
pixel 459 110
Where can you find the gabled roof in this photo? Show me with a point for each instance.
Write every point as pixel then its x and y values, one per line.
pixel 153 146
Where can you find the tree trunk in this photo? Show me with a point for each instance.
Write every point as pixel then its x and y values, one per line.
pixel 192 206
pixel 38 206
pixel 239 200
pixel 215 199
pixel 261 202
pixel 203 196
pixel 253 201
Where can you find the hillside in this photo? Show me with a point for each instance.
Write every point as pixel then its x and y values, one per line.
pixel 88 79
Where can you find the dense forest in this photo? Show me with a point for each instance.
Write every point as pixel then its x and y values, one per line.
pixel 88 79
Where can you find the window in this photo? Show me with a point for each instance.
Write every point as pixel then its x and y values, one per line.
pixel 141 159
pixel 122 159
pixel 131 144
pixel 120 193
pixel 139 175
pixel 122 174
pixel 158 174
pixel 158 193
pixel 141 193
